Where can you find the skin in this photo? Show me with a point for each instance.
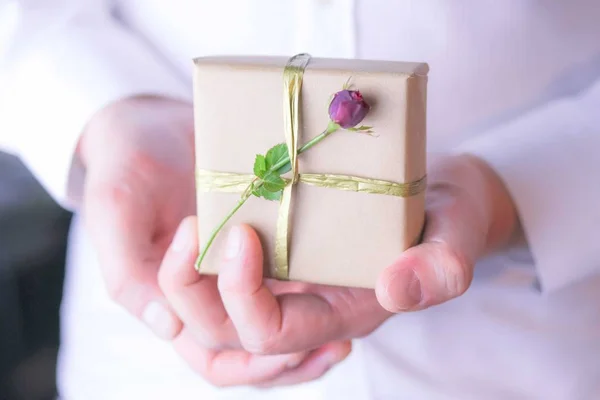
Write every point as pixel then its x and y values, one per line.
pixel 237 328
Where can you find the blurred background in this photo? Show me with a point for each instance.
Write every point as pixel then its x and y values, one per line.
pixel 33 233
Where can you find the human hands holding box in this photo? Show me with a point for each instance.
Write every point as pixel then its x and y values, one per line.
pixel 342 243
pixel 353 203
pixel 237 328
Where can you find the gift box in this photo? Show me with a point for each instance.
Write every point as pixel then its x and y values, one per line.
pixel 344 229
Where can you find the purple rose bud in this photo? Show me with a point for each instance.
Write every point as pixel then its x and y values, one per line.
pixel 348 108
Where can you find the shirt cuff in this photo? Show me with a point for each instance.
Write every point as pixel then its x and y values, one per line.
pixel 547 160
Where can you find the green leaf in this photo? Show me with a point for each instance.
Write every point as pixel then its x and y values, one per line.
pixel 264 193
pixel 260 166
pixel 261 191
pixel 273 182
pixel 276 154
pixel 287 167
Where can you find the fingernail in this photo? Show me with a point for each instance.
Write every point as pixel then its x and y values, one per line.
pixel 162 321
pixel 405 289
pixel 181 239
pixel 234 243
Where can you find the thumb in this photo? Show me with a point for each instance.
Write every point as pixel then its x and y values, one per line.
pixel 464 200
pixel 437 270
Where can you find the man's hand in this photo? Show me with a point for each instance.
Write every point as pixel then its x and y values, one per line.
pixel 469 213
pixel 139 157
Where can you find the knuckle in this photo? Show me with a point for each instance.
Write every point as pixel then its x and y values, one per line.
pixel 267 337
pixel 458 271
pixel 116 289
pixel 261 346
pixel 113 193
pixel 122 288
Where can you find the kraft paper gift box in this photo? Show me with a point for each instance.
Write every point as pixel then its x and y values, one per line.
pixel 336 237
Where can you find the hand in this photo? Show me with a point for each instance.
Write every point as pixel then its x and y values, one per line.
pixel 139 185
pixel 469 213
pixel 139 157
pixel 238 313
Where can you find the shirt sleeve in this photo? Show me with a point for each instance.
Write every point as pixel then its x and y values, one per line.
pixel 60 62
pixel 549 160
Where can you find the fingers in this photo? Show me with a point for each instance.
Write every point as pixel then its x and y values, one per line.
pixel 193 296
pixel 439 269
pixel 241 312
pixel 426 275
pixel 238 367
pixel 120 224
pixel 314 365
pixel 456 235
pixel 233 367
pixel 224 362
pixel 267 324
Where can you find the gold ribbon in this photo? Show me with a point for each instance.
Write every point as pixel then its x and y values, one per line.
pixel 292 88
pixel 227 182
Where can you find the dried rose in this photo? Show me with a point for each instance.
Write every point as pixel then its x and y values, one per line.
pixel 348 108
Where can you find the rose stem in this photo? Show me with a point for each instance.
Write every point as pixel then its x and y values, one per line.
pixel 332 127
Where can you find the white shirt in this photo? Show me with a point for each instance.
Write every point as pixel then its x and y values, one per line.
pixel 515 82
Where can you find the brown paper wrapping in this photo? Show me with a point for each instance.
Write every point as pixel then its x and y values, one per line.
pixel 336 237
